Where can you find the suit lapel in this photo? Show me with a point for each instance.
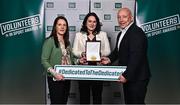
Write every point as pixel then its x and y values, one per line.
pixel 126 36
pixel 117 40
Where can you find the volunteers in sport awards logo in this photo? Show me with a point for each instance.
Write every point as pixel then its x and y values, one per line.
pixel 20 26
pixel 163 25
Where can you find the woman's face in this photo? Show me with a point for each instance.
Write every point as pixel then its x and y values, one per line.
pixel 91 23
pixel 61 27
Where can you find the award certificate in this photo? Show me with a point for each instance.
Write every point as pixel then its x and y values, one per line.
pixel 93 51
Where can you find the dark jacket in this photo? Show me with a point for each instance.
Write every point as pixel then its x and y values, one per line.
pixel 133 54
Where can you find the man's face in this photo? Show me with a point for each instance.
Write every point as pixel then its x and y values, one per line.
pixel 124 18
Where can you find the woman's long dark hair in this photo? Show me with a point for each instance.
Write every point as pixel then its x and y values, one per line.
pixel 98 26
pixel 54 32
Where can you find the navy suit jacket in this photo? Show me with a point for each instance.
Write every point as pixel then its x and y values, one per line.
pixel 133 54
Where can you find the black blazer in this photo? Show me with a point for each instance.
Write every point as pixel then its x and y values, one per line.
pixel 133 54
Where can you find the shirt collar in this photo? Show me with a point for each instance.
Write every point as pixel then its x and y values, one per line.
pixel 126 28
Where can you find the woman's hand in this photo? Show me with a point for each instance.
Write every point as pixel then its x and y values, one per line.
pixel 82 59
pixel 57 76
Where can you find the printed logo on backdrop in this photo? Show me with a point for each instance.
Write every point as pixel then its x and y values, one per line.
pixel 61 15
pixel 71 5
pixel 107 16
pixel 50 4
pixel 97 4
pixel 116 28
pixel 163 25
pixel 82 16
pixel 49 28
pixel 20 26
pixel 72 28
pixel 117 5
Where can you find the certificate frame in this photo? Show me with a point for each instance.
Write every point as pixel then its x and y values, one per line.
pixel 90 55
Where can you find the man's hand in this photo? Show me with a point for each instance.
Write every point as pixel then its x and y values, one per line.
pixel 105 60
pixel 122 79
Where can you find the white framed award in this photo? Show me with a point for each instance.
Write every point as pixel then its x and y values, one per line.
pixel 93 51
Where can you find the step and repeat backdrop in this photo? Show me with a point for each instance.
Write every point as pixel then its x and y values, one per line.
pixel 25 24
pixel 75 11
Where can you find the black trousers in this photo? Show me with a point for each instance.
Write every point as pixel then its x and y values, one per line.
pixel 59 91
pixel 135 92
pixel 87 86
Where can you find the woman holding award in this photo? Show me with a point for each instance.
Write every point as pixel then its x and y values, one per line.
pixel 90 32
pixel 57 51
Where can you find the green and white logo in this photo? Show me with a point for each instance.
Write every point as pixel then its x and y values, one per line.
pixel 163 25
pixel 20 26
pixel 50 4
pixel 116 28
pixel 61 15
pixel 49 28
pixel 118 5
pixel 107 16
pixel 72 28
pixel 97 5
pixel 81 16
pixel 72 5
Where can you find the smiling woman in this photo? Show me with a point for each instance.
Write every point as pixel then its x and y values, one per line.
pixel 90 32
pixel 57 51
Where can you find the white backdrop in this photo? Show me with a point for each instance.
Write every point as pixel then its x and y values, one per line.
pixel 75 11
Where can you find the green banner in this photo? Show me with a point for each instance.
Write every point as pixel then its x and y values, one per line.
pixel 21 36
pixel 161 23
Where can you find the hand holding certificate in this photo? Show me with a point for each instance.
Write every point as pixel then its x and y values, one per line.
pixel 93 51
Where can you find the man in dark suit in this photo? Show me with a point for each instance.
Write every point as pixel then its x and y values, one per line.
pixel 131 51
